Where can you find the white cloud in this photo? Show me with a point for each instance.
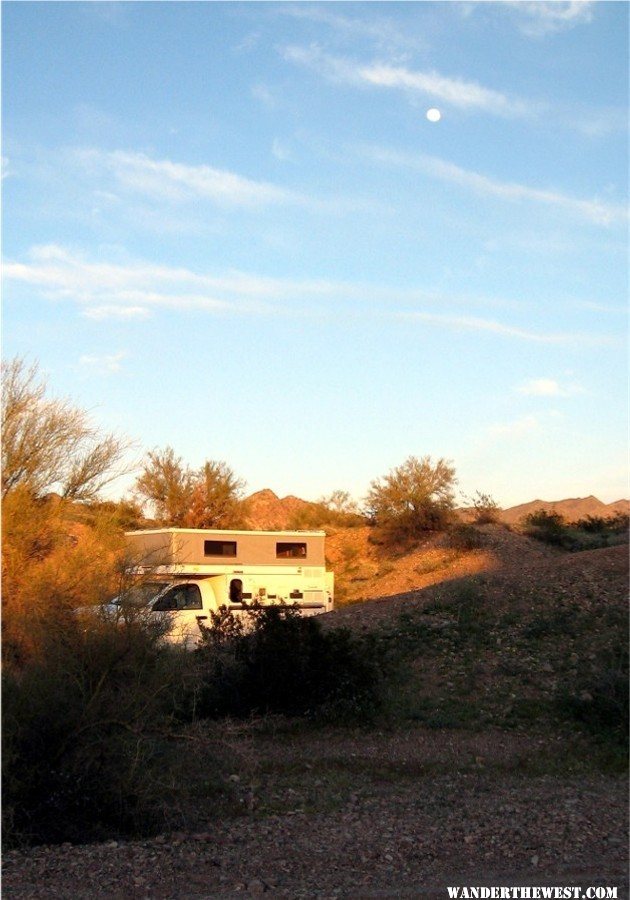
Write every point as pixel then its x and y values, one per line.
pixel 597 211
pixel 454 91
pixel 548 387
pixel 538 18
pixel 102 365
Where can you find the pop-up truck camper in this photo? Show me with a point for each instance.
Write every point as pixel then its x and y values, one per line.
pixel 189 573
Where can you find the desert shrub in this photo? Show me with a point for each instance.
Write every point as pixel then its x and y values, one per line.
pixel 465 537
pixel 590 533
pixel 87 735
pixel 412 499
pixel 486 510
pixel 276 661
pixel 338 510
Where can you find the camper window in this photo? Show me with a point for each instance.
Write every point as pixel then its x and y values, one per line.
pixel 290 551
pixel 184 596
pixel 219 548
pixel 236 591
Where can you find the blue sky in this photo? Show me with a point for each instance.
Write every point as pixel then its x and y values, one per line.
pixel 231 228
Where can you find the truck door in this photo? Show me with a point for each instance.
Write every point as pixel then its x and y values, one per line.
pixel 183 605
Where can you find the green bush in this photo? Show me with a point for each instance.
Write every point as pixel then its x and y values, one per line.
pixel 275 661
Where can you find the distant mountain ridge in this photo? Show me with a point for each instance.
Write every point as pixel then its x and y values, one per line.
pixel 572 509
pixel 267 511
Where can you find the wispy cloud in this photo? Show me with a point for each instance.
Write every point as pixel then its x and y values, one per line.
pixel 265 95
pixel 473 323
pixel 174 182
pixel 440 88
pixel 548 387
pixel 598 211
pixel 516 429
pixel 131 290
pixel 379 30
pixel 126 313
pixel 169 180
pixel 537 18
pixel 281 150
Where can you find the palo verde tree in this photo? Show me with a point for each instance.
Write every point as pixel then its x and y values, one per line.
pixel 415 497
pixel 217 498
pixel 209 497
pixel 167 484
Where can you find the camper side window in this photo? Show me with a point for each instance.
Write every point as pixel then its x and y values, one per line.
pixel 184 596
pixel 219 548
pixel 290 551
pixel 236 591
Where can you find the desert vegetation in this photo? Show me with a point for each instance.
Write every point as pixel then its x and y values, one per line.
pixel 589 533
pixel 108 731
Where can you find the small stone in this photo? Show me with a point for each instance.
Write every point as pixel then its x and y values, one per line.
pixel 534 860
pixel 234 778
pixel 256 886
pixel 112 844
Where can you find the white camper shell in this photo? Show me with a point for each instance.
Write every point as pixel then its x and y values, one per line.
pixel 196 571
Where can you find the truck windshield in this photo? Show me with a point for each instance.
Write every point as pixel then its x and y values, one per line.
pixel 141 594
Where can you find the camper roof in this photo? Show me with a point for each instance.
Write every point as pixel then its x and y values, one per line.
pixel 223 531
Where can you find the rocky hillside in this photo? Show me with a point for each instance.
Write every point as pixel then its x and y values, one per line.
pixel 266 511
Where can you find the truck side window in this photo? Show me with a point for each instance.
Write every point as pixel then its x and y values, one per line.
pixel 184 596
pixel 292 550
pixel 236 590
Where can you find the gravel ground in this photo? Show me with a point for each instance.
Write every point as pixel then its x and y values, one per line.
pixel 383 815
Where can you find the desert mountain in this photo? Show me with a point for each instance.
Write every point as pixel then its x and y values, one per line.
pixel 266 511
pixel 572 509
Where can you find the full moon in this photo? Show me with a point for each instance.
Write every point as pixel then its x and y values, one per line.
pixel 434 115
